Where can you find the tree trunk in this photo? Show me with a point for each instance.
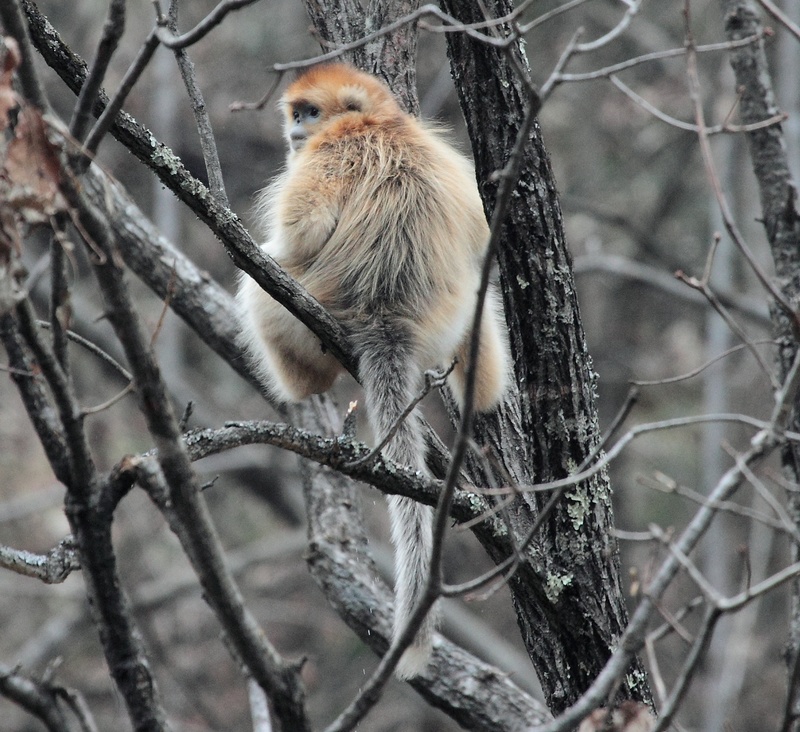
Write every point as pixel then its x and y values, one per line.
pixel 568 594
pixel 782 226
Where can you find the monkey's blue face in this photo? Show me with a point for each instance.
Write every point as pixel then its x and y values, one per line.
pixel 305 117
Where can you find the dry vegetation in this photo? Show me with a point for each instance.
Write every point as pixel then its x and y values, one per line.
pixel 637 206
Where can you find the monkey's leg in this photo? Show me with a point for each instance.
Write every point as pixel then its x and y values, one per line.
pixel 289 356
pixel 493 362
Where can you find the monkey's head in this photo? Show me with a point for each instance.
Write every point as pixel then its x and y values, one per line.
pixel 332 95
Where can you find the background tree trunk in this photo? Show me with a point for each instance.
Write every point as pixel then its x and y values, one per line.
pixel 778 193
pixel 568 595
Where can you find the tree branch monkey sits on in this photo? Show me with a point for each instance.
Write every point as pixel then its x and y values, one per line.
pixel 381 221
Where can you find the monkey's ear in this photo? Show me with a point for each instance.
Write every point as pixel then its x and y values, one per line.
pixel 354 99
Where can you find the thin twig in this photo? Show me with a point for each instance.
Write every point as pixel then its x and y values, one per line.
pixel 94 349
pixel 77 704
pixel 166 35
pixel 208 143
pixel 35 697
pixel 262 102
pixel 113 29
pixel 649 275
pixel 132 75
pixel 696 654
pixel 704 288
pixel 723 128
pixel 51 568
pixel 666 485
pixel 786 523
pixel 451 25
pixel 550 14
pixel 555 75
pixel 656 56
pixel 433 380
pixel 119 396
pixel 699 370
pixel 781 17
pixel 615 32
pixel 712 595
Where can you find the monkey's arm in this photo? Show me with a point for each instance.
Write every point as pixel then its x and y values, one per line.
pixel 303 210
pixel 308 207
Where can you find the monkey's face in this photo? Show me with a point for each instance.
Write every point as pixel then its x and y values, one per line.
pixel 330 95
pixel 305 117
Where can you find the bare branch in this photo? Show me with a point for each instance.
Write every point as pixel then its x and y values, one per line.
pixel 608 71
pixel 113 29
pixel 32 388
pixel 649 275
pixel 341 454
pixel 52 568
pixel 259 710
pixel 615 32
pixel 702 286
pixel 39 699
pixel 433 380
pixel 550 14
pixel 199 536
pixel 107 118
pixel 699 370
pixel 450 25
pixel 726 127
pixel 166 34
pixel 781 17
pixel 665 484
pixel 207 142
pixel 93 349
pixel 690 664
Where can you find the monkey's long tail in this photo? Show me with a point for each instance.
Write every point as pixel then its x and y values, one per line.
pixel 390 378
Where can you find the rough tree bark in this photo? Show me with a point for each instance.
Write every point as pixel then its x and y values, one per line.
pixel 568 595
pixel 778 194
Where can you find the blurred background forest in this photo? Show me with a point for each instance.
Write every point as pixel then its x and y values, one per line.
pixel 637 207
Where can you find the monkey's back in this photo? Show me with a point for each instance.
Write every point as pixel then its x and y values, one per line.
pixel 383 219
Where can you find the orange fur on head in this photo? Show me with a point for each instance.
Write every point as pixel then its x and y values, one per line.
pixel 339 88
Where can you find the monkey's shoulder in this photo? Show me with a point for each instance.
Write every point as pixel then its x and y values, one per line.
pixel 401 149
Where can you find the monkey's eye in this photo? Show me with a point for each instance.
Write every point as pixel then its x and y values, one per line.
pixel 313 112
pixel 296 116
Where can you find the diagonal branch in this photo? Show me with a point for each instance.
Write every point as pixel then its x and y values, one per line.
pixel 35 697
pixel 201 543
